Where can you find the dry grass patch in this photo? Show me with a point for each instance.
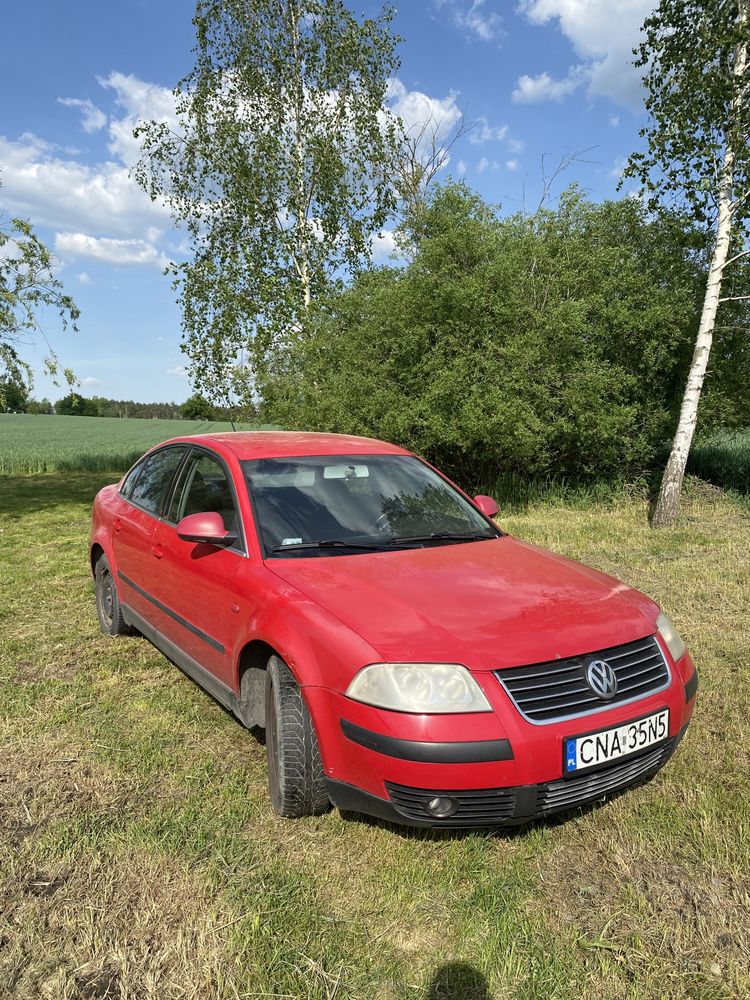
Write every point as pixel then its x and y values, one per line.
pixel 125 926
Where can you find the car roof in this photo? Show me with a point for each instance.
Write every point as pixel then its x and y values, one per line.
pixel 281 444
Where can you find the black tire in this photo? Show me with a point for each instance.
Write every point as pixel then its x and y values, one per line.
pixel 108 609
pixel 295 770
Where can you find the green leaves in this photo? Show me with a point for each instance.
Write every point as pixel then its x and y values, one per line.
pixel 27 285
pixel 696 106
pixel 544 346
pixel 279 175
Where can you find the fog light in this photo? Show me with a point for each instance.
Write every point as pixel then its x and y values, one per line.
pixel 441 806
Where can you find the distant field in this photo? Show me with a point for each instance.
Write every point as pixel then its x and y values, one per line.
pixel 87 444
pixel 723 458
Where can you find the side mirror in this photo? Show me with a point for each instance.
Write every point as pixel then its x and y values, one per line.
pixel 206 527
pixel 487 505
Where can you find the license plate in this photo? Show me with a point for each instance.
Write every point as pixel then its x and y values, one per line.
pixel 594 749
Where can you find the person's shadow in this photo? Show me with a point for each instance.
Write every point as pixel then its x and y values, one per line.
pixel 458 981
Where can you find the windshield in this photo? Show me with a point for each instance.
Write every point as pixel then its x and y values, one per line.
pixel 345 504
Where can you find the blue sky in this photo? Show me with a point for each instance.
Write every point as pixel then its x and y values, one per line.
pixel 537 78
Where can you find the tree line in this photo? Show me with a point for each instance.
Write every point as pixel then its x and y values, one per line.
pixel 197 407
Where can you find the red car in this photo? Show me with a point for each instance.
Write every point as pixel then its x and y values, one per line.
pixel 406 657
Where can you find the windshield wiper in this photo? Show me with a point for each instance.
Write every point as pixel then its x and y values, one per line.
pixel 329 543
pixel 441 536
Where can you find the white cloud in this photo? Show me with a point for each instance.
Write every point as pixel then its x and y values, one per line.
pixel 484 132
pixel 512 164
pixel 535 89
pixel 383 246
pixel 139 101
pixel 516 145
pixel 418 110
pixel 64 193
pixel 475 17
pixel 461 168
pixel 126 253
pixel 177 370
pixel 603 35
pixel 485 164
pixel 84 279
pixel 618 168
pixel 614 121
pixel 90 380
pixel 92 118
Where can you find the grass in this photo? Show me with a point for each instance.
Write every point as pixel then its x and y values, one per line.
pixel 35 443
pixel 140 858
pixel 723 458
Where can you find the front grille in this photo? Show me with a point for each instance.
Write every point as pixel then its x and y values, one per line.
pixel 556 690
pixel 567 794
pixel 482 807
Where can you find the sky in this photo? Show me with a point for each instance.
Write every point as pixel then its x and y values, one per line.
pixel 538 80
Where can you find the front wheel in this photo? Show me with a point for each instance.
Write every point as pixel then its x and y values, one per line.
pixel 295 769
pixel 108 609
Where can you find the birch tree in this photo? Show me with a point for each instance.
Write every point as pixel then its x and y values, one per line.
pixel 28 286
pixel 695 55
pixel 278 170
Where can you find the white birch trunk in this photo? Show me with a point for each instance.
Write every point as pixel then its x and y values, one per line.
pixel 303 234
pixel 668 504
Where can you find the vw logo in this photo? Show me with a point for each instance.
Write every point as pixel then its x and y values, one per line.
pixel 602 679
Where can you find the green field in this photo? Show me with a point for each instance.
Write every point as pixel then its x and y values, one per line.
pixel 140 858
pixel 723 458
pixel 94 444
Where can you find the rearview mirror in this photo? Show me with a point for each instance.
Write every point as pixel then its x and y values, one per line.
pixel 207 527
pixel 487 505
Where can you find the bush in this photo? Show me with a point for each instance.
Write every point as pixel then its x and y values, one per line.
pixel 550 346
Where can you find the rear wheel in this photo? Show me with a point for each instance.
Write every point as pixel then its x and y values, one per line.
pixel 108 608
pixel 295 769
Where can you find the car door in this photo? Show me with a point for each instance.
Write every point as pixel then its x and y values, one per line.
pixel 194 581
pixel 143 496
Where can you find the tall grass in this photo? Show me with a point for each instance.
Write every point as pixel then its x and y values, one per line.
pixel 723 458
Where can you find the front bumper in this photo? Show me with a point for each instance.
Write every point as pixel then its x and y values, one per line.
pixel 510 806
pixel 497 767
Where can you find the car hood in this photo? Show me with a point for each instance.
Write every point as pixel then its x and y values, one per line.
pixel 487 604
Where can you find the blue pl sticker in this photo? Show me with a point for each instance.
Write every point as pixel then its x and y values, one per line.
pixel 570 753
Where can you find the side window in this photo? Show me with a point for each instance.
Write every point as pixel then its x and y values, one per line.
pixel 204 486
pixel 152 485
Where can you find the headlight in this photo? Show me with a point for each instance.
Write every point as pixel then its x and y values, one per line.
pixel 419 687
pixel 671 636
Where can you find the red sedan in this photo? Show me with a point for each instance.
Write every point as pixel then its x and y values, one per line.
pixel 406 657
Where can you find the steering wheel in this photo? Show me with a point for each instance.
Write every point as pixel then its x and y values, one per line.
pixel 381 524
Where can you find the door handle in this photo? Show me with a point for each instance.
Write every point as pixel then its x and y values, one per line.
pixel 158 550
pixel 117 524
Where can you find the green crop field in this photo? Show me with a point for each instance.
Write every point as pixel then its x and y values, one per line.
pixel 91 444
pixel 140 857
pixel 723 458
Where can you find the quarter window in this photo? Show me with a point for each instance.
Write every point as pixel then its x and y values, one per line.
pixel 152 484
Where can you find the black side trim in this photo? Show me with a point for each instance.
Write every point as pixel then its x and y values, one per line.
pixel 472 752
pixel 172 614
pixel 691 687
pixel 208 681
